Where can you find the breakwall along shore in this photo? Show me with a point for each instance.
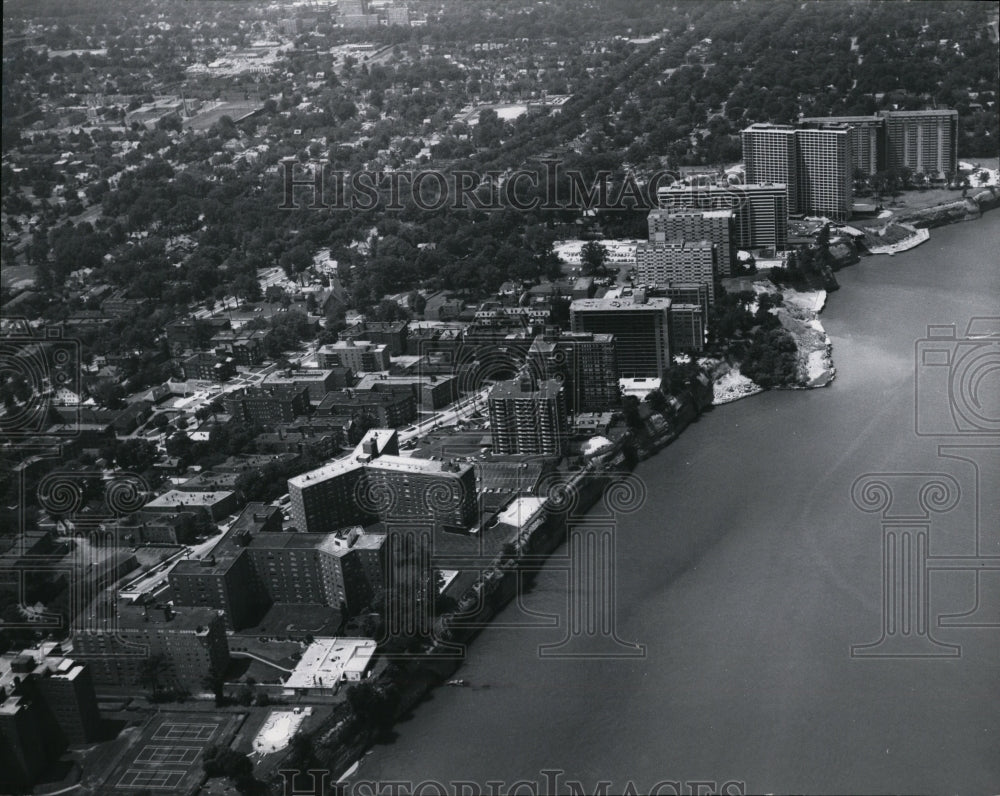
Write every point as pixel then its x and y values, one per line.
pixel 968 208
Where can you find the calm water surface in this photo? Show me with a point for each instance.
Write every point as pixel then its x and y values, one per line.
pixel 748 574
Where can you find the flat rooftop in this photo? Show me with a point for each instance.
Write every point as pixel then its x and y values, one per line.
pixel 178 499
pixel 678 244
pixel 521 511
pixel 525 388
pixel 411 465
pixel 621 304
pixel 658 212
pixel 328 661
pixel 334 469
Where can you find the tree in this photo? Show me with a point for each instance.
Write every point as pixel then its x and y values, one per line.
pixel 152 670
pixel 593 255
pixel 656 400
pixel 630 408
pixel 179 445
pixel 108 393
pixel 135 454
pixel 225 762
pixel 215 683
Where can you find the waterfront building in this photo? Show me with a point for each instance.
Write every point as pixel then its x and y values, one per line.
pixel 585 363
pixel 923 141
pixel 867 134
pixel 528 417
pixel 423 489
pixel 760 212
pixel 325 499
pixel 687 327
pixel 715 226
pixel 814 163
pixel 255 566
pixel 770 155
pixel 826 184
pixel 677 261
pixel 640 325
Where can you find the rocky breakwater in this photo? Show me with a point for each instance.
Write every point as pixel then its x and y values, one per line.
pixel 967 208
pixel 799 314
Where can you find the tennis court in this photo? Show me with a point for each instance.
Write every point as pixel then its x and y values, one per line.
pixel 173 731
pixel 154 780
pixel 184 755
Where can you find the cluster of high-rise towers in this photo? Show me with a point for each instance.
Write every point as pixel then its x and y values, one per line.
pixel 817 158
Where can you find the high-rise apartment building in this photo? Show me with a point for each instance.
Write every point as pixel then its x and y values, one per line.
pixel 867 135
pixel 585 363
pixel 191 641
pixel 47 701
pixel 770 155
pixel 715 226
pixel 687 327
pixel 760 212
pixel 526 417
pixel 325 499
pixel 924 141
pixel 677 261
pixel 423 489
pixel 640 325
pixel 24 752
pixel 67 688
pixel 815 164
pixel 253 567
pixel 826 184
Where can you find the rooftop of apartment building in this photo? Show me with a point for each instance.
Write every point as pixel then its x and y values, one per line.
pixel 48 658
pixel 525 388
pixel 637 302
pixel 134 616
pixel 232 545
pixel 675 244
pixel 178 499
pixel 303 374
pixel 663 213
pixel 371 379
pixel 403 464
pixel 375 443
pixel 342 345
pixel 925 113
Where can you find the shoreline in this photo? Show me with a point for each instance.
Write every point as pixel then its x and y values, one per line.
pixel 730 385
pixel 433 672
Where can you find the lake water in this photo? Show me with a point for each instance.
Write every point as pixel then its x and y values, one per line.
pixel 748 574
